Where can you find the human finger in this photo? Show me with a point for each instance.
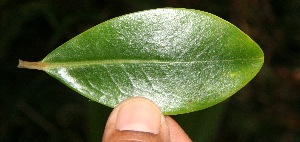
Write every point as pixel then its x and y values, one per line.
pixel 136 119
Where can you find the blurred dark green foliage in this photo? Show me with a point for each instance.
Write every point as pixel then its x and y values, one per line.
pixel 36 107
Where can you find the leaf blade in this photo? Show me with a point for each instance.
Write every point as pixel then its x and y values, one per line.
pixel 183 60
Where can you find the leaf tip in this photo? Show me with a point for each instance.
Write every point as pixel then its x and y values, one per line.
pixel 31 65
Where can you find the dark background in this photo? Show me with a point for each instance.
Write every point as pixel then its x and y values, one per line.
pixel 37 107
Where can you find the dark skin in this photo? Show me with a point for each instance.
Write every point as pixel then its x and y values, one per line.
pixel 139 119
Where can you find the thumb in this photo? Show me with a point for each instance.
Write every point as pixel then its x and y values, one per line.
pixel 136 119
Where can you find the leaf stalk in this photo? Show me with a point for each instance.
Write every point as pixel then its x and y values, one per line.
pixel 31 65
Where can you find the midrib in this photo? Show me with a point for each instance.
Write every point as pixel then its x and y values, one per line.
pixel 49 65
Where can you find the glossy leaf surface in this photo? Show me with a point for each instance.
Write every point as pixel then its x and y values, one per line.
pixel 183 60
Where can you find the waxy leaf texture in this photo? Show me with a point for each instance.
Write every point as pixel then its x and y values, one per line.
pixel 183 60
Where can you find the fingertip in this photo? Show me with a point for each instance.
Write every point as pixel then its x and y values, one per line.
pixel 138 115
pixel 136 119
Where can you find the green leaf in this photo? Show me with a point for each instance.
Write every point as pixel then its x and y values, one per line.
pixel 184 60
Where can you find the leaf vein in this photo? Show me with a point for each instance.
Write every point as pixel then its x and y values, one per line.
pixel 51 65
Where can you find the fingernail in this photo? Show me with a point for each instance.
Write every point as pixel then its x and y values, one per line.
pixel 142 116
